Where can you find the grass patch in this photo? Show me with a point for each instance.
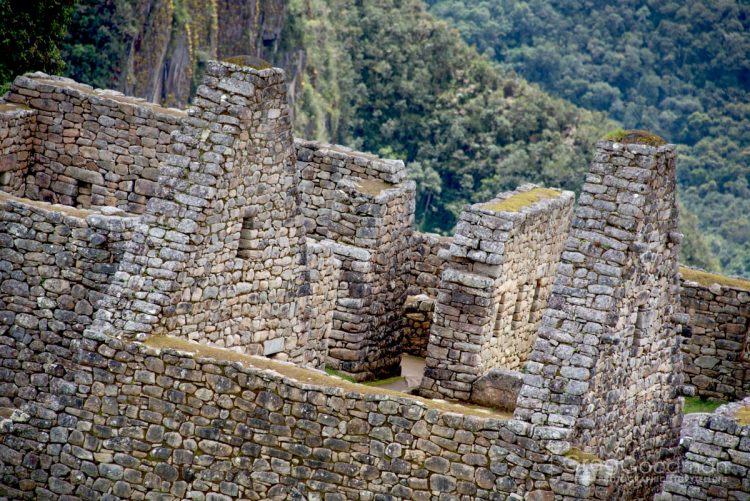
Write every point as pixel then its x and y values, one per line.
pixel 582 457
pixel 635 137
pixel 706 278
pixel 308 376
pixel 372 187
pixel 337 373
pixel 520 200
pixel 695 404
pixel 381 382
pixel 251 61
pixel 743 415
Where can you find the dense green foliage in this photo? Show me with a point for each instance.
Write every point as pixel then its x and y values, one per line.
pixel 387 77
pixel 30 34
pixel 97 42
pixel 680 69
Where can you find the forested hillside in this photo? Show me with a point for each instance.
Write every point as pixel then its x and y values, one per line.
pixel 383 76
pixel 387 77
pixel 681 69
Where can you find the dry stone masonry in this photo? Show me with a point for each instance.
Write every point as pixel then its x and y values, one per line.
pixel 364 208
pixel 90 147
pixel 167 275
pixel 494 288
pixel 716 349
pixel 716 457
pixel 429 253
pixel 606 365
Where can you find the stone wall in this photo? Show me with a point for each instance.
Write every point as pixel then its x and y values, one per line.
pixel 56 263
pixel 418 312
pixel 220 254
pixel 363 204
pixel 365 338
pixel 17 128
pixel 328 212
pixel 717 333
pixel 606 366
pixel 716 457
pixel 494 288
pixel 428 257
pixel 92 147
pixel 321 287
pixel 107 419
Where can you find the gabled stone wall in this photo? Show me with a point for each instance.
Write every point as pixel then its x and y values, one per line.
pixel 493 289
pixel 716 335
pixel 606 366
pixel 17 129
pixel 219 256
pixel 92 147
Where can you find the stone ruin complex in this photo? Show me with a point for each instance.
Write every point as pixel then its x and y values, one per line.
pixel 172 282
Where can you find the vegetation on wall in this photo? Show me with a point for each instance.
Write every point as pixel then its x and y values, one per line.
pixel 680 69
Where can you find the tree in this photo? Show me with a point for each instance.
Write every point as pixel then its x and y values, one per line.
pixel 30 35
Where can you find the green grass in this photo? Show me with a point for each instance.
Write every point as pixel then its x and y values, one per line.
pixel 333 372
pixel 635 137
pixel 706 278
pixel 520 200
pixel 695 404
pixel 251 61
pixel 381 382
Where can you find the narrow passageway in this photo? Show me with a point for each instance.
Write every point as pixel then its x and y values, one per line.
pixel 412 369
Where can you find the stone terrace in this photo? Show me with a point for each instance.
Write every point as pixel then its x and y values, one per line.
pixel 149 255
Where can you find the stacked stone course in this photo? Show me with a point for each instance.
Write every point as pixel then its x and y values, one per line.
pixel 719 330
pixel 118 420
pixel 92 147
pixel 17 127
pixel 493 290
pixel 716 457
pixel 606 366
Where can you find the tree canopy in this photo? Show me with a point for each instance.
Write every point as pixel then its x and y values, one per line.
pixel 680 69
pixel 30 36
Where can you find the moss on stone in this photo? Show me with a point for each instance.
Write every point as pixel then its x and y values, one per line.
pixel 695 405
pixel 582 457
pixel 373 187
pixel 635 136
pixel 251 61
pixel 707 279
pixel 383 382
pixel 520 200
pixel 336 373
pixel 743 415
